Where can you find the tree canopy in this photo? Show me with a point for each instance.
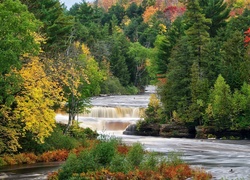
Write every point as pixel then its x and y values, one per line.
pixel 195 51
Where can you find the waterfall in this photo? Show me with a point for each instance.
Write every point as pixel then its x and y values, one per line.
pixel 114 112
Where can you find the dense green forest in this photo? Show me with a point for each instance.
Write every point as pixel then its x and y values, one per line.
pixel 195 51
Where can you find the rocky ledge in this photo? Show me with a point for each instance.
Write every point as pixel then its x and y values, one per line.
pixel 162 130
pixel 175 130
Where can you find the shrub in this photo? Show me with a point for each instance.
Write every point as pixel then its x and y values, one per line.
pixel 99 156
pixel 180 172
pixel 132 90
pixel 122 149
pixel 119 163
pixel 90 134
pixel 105 151
pixel 57 140
pixel 174 159
pixel 150 161
pixel 112 86
pixel 96 163
pixel 69 167
pixel 201 174
pixel 10 160
pixel 135 154
pixel 20 159
pixel 2 162
pixel 85 162
pixel 30 158
pixel 56 155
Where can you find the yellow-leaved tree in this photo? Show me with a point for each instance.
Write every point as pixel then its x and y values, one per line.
pixel 36 99
pixel 84 78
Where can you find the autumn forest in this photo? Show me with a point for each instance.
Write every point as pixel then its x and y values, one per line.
pixel 195 51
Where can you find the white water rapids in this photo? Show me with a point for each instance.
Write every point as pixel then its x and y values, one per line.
pixel 224 159
pixel 227 159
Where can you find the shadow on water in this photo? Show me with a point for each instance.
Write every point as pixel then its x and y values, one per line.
pixel 28 171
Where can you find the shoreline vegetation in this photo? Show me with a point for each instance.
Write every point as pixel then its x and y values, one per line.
pixel 109 158
pixel 155 123
pixel 102 157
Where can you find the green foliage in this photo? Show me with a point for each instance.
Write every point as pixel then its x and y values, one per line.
pixel 240 104
pixel 2 162
pixel 154 111
pixel 57 140
pixel 140 56
pixel 132 90
pixel 176 94
pixel 174 159
pixel 69 167
pixel 112 86
pixel 118 65
pixel 17 32
pixel 89 133
pixel 119 163
pixel 234 65
pixel 151 161
pixel 216 10
pixel 219 109
pixel 135 164
pixel 134 10
pixel 105 151
pixel 99 156
pixel 135 155
pixel 56 25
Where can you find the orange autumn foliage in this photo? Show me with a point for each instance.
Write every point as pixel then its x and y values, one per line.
pixel 57 155
pixel 149 12
pixel 122 149
pixel 179 172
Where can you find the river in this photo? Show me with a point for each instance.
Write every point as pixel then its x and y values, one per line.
pixel 224 159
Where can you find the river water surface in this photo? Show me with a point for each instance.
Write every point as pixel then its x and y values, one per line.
pixel 224 159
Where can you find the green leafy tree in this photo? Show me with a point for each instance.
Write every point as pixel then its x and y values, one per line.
pixel 199 95
pixel 240 104
pixel 234 65
pixel 118 56
pixel 17 37
pixel 57 26
pixel 134 28
pixel 197 32
pixel 117 11
pixel 175 94
pixel 87 22
pixel 164 45
pixel 141 56
pixel 198 36
pixel 134 10
pixel 219 110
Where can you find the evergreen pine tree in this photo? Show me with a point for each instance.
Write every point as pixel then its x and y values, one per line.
pixel 216 10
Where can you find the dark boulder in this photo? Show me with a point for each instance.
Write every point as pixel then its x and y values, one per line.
pixel 175 130
pixel 145 130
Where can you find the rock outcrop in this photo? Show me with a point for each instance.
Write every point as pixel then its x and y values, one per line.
pixel 177 131
pixel 163 130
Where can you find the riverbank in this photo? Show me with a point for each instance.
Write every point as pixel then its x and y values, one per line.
pixel 175 130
